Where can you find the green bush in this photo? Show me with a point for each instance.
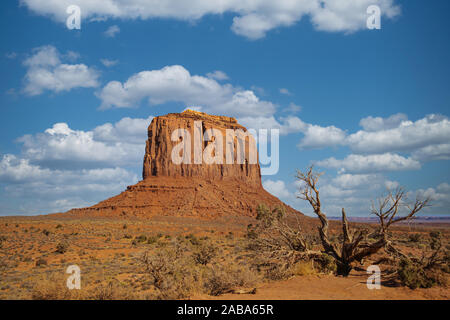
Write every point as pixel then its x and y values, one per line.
pixel 413 275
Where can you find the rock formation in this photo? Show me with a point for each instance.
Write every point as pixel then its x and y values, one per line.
pixel 192 188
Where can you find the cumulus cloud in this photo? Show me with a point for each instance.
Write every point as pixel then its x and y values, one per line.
pixel 175 83
pixel 351 181
pixel 378 123
pixel 285 91
pixel 286 125
pixel 400 135
pixel 109 63
pixel 320 137
pixel 277 188
pixel 218 75
pixel 112 31
pixel 439 195
pixel 393 143
pixel 432 152
pixel 118 144
pixel 130 130
pixel 252 19
pixel 355 163
pixel 42 190
pixel 292 108
pixel 62 168
pixel 45 71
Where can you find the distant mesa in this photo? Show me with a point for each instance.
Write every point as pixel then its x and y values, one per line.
pixel 189 189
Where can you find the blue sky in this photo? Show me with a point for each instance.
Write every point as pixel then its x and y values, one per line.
pixel 369 107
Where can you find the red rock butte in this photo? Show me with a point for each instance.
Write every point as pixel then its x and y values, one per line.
pixel 204 190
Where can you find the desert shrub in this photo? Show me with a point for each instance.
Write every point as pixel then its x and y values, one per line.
pixel 41 262
pixel 2 239
pixel 127 236
pixel 141 238
pixel 171 272
pixel 277 272
pixel 193 239
pixel 436 240
pixel 251 232
pixel 46 232
pixel 110 291
pixel 304 268
pixel 62 247
pixel 152 240
pixel 59 226
pixel 415 237
pixel 51 290
pixel 326 263
pixel 275 231
pixel 414 274
pixel 223 279
pixel 204 254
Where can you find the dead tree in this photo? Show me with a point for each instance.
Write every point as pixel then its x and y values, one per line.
pixel 354 246
pixel 275 237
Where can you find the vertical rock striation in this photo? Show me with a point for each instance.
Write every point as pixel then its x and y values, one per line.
pixel 195 187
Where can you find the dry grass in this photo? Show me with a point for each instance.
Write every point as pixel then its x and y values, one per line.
pixel 146 259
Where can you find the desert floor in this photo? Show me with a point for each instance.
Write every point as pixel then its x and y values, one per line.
pixel 35 252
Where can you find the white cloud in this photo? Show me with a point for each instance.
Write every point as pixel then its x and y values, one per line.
pixel 13 169
pixel 175 83
pixel 253 19
pixel 42 190
pixel 109 63
pixel 432 152
pixel 62 168
pixel 112 31
pixel 47 72
pixel 406 136
pixel 286 125
pixel 108 145
pixel 425 139
pixel 277 188
pixel 285 91
pixel 355 163
pixel 131 130
pixel 440 197
pixel 293 108
pixel 351 181
pixel 378 123
pixel 320 137
pixel 218 75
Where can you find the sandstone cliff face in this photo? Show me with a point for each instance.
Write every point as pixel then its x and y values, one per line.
pixel 158 153
pixel 203 190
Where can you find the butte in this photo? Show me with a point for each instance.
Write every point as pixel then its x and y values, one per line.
pixel 199 190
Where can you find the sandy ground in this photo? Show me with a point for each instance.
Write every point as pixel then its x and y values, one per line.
pixel 105 249
pixel 329 287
